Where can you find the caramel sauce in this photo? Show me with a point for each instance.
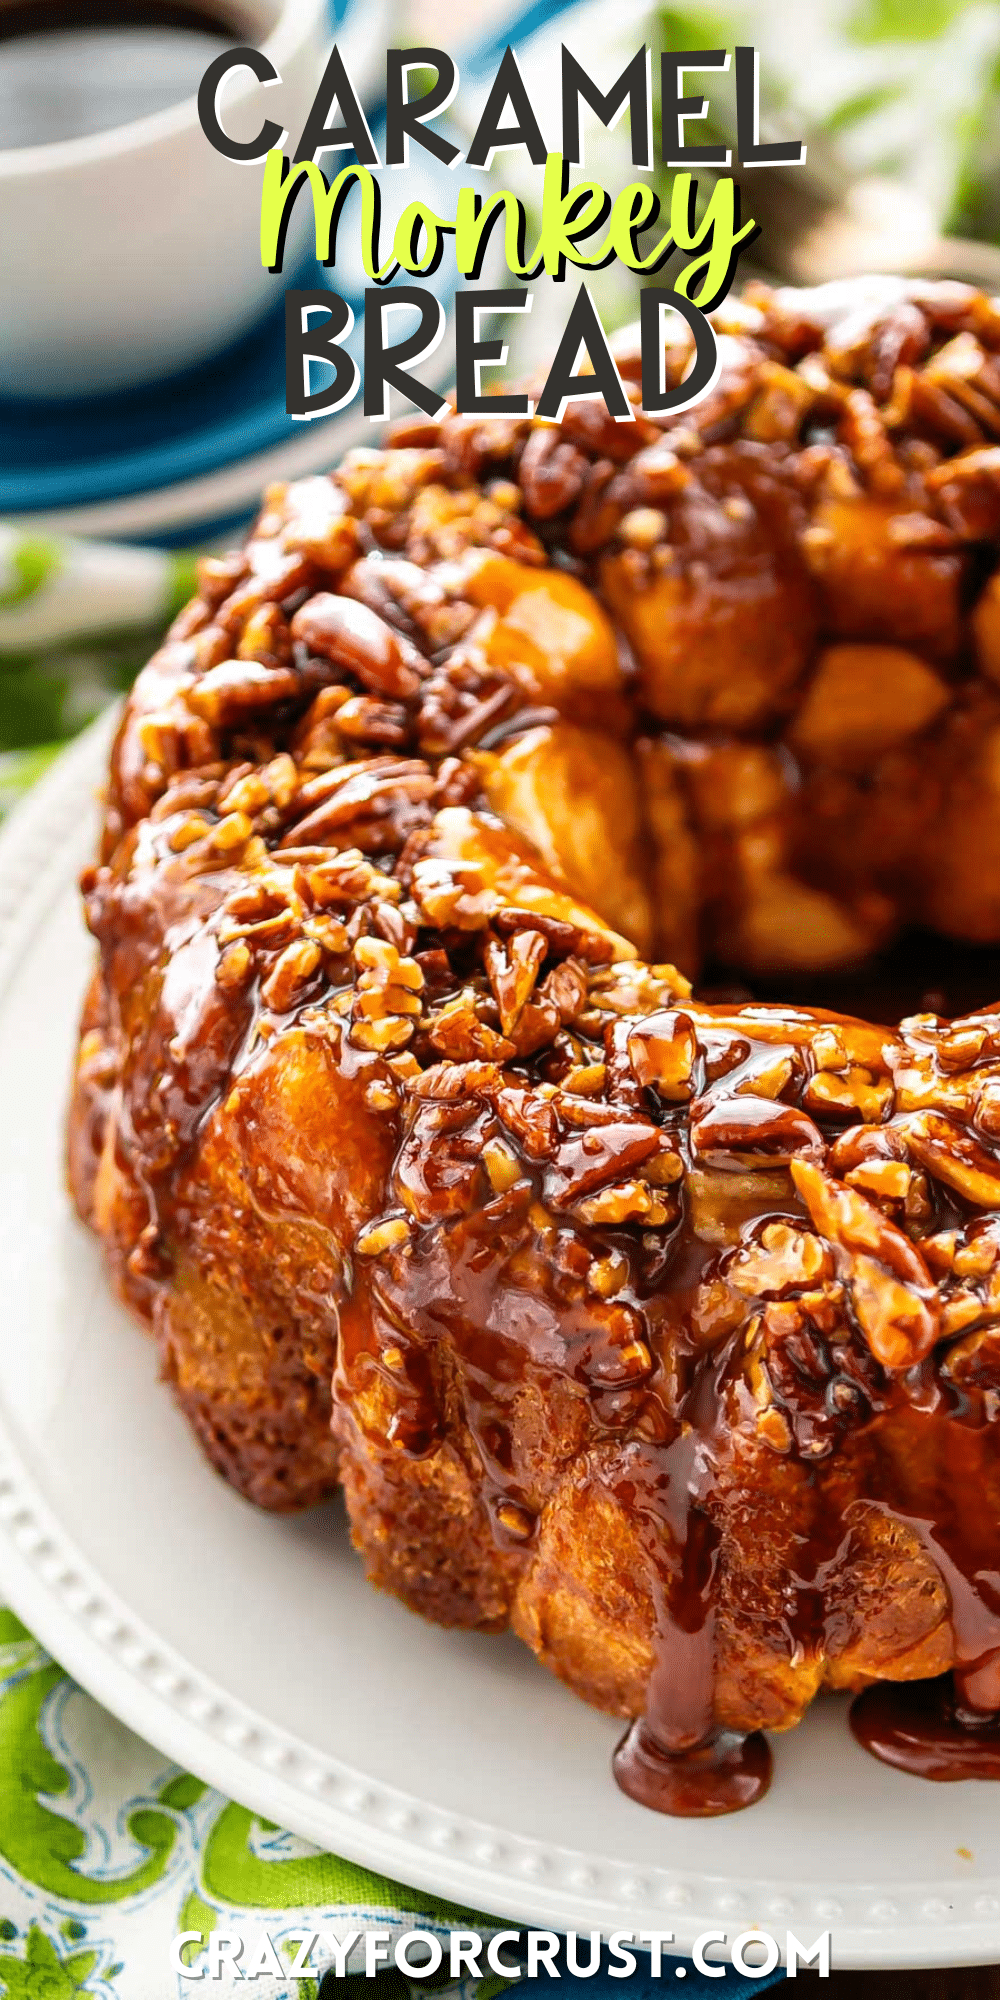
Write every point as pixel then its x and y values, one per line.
pixel 790 1456
pixel 675 1759
pixel 723 1774
pixel 920 1727
pixel 514 1307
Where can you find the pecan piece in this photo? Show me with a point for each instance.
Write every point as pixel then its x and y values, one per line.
pixel 782 1256
pixel 512 973
pixel 266 637
pixel 663 1051
pixel 439 1171
pixel 447 1082
pixel 565 989
pixel 952 1155
pixel 381 795
pixel 532 1120
pixel 318 522
pixel 292 975
pixel 352 635
pixel 627 1201
pixel 891 1288
pixel 746 1131
pixel 599 1154
pixel 387 1000
pixel 551 473
pixel 235 689
pixel 383 725
pixel 458 1032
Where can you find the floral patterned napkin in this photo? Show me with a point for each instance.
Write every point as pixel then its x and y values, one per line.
pixel 108 1851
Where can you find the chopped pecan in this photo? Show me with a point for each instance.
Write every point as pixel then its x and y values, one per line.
pixel 380 724
pixel 626 1201
pixel 378 1237
pixel 855 1094
pixel 531 1118
pixel 251 789
pixel 355 637
pixel 450 894
pixel 887 1180
pixel 778 1258
pixel 952 1155
pixel 235 967
pixel 644 527
pixel 891 1288
pixel 348 878
pixel 439 1171
pixel 565 989
pixel 744 1131
pixel 381 798
pixel 512 971
pixel 502 1165
pixel 318 522
pixel 447 1082
pixel 598 1154
pixel 236 689
pixel 387 999
pixel 266 637
pixel 967 490
pixel 663 1051
pixel 551 473
pixel 456 1030
pixel 562 937
pixel 292 975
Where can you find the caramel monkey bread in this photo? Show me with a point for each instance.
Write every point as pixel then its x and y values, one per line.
pixel 666 1332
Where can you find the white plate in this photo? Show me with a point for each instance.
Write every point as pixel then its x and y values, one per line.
pixel 252 1651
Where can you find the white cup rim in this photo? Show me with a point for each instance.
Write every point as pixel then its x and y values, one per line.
pixel 294 25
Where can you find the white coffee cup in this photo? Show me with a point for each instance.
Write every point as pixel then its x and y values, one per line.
pixel 133 253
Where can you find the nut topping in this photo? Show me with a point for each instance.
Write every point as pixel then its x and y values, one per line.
pixel 890 1285
pixel 666 1331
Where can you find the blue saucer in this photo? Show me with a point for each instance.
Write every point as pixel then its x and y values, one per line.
pixel 102 447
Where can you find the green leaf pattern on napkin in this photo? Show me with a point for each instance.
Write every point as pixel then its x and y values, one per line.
pixel 107 1851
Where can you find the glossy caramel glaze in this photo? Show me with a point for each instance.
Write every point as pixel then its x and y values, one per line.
pixel 666 1333
pixel 923 1730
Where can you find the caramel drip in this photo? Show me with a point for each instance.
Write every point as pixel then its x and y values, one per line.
pixel 675 1758
pixel 975 1616
pixel 920 1727
pixel 947 1728
pixel 722 1775
pixel 921 1447
pixel 516 1315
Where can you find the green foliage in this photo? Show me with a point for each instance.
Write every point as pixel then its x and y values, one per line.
pixel 33 559
pixel 32 702
pixel 902 20
pixel 492 1984
pixel 864 104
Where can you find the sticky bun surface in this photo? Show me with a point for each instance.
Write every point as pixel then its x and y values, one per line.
pixel 665 1330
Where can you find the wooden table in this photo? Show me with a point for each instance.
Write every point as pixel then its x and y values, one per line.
pixel 973 1983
